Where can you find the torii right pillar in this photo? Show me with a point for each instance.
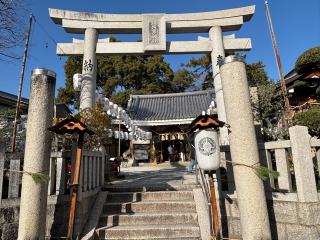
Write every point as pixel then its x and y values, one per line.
pixel 215 35
pixel 244 150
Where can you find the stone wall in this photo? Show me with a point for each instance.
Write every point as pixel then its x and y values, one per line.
pixel 289 219
pixel 57 215
pixel 9 218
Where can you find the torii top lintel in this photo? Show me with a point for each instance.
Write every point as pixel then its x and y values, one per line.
pixel 77 22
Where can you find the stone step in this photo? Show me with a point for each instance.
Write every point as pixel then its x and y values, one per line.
pixel 150 188
pixel 159 206
pixel 150 196
pixel 148 218
pixel 149 232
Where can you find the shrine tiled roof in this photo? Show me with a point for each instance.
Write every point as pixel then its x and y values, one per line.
pixel 8 98
pixel 169 107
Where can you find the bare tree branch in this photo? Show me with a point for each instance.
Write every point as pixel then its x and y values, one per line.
pixel 12 25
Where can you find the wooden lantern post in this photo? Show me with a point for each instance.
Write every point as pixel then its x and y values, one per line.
pixel 214 207
pixel 205 122
pixel 72 125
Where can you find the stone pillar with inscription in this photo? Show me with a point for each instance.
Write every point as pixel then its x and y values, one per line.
pixel 89 69
pixel 215 35
pixel 33 205
pixel 244 150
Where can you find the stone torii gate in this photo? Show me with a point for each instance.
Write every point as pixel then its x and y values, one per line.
pixel 154 29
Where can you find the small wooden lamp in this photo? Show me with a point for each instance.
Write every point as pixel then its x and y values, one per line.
pixel 72 125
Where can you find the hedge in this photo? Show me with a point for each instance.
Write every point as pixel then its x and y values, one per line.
pixel 310 59
pixel 310 119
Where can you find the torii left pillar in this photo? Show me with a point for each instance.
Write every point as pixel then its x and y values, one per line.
pixel 89 69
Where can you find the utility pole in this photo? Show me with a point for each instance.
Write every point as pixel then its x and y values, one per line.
pixel 17 116
pixel 287 114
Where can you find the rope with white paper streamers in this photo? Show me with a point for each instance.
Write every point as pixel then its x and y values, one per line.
pixel 114 111
pixel 135 132
pixel 117 112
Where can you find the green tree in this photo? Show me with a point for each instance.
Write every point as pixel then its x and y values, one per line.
pixel 98 122
pixel 201 70
pixel 309 60
pixel 269 106
pixel 310 119
pixel 121 76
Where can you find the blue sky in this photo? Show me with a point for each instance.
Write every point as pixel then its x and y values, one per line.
pixel 297 27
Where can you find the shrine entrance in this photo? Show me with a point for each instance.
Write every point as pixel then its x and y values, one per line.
pixel 154 29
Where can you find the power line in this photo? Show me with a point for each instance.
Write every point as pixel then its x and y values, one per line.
pixel 48 34
pixel 33 45
pixel 10 56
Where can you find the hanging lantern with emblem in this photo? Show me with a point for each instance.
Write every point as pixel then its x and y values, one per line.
pixel 206 139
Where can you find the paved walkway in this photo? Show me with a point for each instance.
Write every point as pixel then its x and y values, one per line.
pixel 171 176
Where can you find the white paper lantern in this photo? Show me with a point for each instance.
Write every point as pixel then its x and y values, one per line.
pixel 121 135
pixel 77 80
pixel 111 105
pixel 127 122
pixel 130 136
pixel 115 107
pixel 126 136
pixel 110 134
pixel 116 134
pixel 119 114
pixel 113 113
pixel 207 149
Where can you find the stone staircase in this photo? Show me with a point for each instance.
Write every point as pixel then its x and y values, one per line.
pixel 149 215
